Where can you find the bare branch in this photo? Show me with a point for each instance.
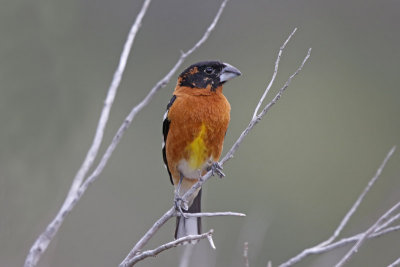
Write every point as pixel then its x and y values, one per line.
pixel 279 94
pixel 172 244
pixel 246 254
pixel 278 59
pixel 211 241
pixel 395 263
pixel 169 214
pixel 359 199
pixel 42 242
pixel 209 30
pixel 158 224
pixel 367 234
pixel 211 214
pixel 385 231
pixel 325 246
pixel 340 243
pixel 345 241
pixel 149 234
pixel 389 222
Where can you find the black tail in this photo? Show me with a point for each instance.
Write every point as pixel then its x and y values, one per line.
pixel 192 225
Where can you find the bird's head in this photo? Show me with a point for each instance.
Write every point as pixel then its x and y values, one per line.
pixel 207 75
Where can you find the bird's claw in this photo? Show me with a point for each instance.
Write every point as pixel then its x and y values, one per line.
pixel 216 168
pixel 179 202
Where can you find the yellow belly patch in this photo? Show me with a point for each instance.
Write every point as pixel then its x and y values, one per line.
pixel 197 149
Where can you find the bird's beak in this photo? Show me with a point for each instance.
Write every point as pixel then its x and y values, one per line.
pixel 228 72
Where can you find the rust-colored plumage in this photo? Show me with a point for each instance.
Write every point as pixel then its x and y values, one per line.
pixel 194 129
pixel 190 113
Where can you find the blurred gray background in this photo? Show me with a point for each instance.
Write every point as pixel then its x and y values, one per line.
pixel 295 175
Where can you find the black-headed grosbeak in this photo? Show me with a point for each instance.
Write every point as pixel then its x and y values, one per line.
pixel 194 128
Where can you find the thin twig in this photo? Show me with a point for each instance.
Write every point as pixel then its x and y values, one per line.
pixel 246 254
pixel 395 263
pixel 279 94
pixel 359 199
pixel 278 59
pixel 208 31
pixel 345 241
pixel 171 212
pixel 366 234
pixel 157 225
pixel 149 234
pixel 385 231
pixel 172 244
pixel 211 214
pixel 344 221
pixel 211 241
pixel 389 222
pixel 42 242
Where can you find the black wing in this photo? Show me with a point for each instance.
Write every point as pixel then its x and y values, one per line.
pixel 165 130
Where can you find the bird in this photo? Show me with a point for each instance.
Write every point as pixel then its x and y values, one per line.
pixel 194 128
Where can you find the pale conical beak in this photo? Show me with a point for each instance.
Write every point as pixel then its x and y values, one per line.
pixel 228 72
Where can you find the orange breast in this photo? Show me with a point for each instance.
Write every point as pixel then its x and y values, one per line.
pixel 197 129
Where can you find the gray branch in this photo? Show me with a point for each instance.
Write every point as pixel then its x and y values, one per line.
pixel 345 241
pixel 388 222
pixel 359 200
pixel 132 259
pixel 278 59
pixel 395 263
pixel 375 232
pixel 364 236
pixel 172 244
pixel 43 241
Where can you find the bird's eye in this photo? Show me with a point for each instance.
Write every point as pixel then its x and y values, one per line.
pixel 209 70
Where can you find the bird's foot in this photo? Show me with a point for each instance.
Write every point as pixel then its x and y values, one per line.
pixel 216 168
pixel 179 202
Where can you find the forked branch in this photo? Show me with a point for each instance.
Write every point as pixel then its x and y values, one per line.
pixel 380 227
pixel 43 241
pixel 169 245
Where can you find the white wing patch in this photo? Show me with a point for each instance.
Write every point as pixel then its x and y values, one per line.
pixel 164 118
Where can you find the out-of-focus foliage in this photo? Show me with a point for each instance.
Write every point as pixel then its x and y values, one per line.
pixel 295 175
